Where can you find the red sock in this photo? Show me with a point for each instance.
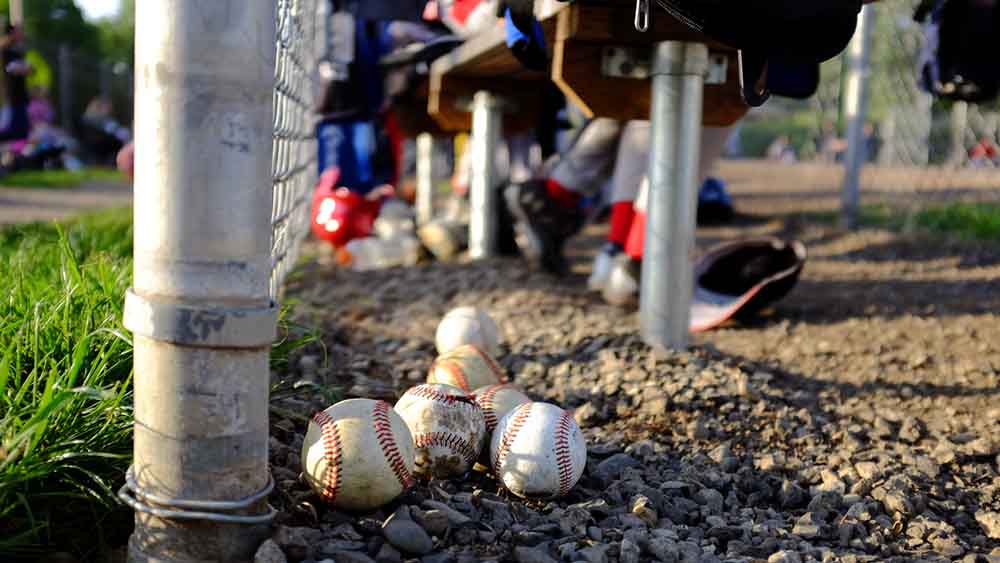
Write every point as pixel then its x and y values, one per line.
pixel 637 236
pixel 563 197
pixel 622 214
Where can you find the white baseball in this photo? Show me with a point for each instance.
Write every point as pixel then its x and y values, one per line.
pixel 448 428
pixel 538 451
pixel 466 367
pixel 467 325
pixel 358 454
pixel 498 400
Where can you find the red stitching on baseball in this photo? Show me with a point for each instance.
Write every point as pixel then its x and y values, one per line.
pixel 491 363
pixel 332 453
pixel 564 461
pixel 387 441
pixel 452 367
pixel 485 401
pixel 427 392
pixel 520 416
pixel 449 440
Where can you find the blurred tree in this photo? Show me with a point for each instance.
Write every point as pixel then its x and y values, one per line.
pixel 117 34
pixel 58 21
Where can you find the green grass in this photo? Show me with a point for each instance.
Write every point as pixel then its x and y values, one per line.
pixel 65 385
pixel 57 179
pixel 967 221
pixel 65 373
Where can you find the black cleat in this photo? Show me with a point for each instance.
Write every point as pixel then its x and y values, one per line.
pixel 542 225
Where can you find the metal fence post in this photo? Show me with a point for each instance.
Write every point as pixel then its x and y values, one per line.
pixel 486 124
pixel 856 112
pixel 199 309
pixel 425 178
pixel 667 285
pixel 66 88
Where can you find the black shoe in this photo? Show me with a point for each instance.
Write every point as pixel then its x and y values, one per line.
pixel 543 226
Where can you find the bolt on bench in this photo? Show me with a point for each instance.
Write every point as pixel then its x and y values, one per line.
pixel 676 78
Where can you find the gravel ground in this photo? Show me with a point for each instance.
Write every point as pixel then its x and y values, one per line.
pixel 857 422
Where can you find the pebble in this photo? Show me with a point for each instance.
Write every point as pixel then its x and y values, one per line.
pixel 407 536
pixel 524 554
pixel 611 468
pixel 784 556
pixel 351 557
pixel 434 521
pixel 629 552
pixel 388 554
pixel 990 523
pixel 269 552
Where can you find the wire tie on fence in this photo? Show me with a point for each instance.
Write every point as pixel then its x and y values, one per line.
pixel 170 508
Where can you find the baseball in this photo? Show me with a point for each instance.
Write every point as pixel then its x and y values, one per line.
pixel 467 368
pixel 498 400
pixel 538 451
pixel 358 454
pixel 448 429
pixel 467 325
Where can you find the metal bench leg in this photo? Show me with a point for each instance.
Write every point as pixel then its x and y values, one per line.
pixel 425 178
pixel 486 124
pixel 675 115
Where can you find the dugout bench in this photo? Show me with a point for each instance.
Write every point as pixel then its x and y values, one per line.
pixel 676 78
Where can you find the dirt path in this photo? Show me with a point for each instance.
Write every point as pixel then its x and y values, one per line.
pixel 25 205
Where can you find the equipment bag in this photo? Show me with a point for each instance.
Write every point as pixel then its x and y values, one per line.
pixel 958 61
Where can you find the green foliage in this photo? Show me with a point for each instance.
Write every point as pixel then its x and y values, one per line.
pixel 117 34
pixel 59 178
pixel 801 128
pixel 964 220
pixel 65 371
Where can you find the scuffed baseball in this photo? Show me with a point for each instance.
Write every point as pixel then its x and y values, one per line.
pixel 467 325
pixel 538 451
pixel 358 454
pixel 498 400
pixel 448 429
pixel 466 367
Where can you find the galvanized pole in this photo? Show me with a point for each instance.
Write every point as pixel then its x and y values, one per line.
pixel 66 88
pixel 16 12
pixel 425 178
pixel 856 112
pixel 675 114
pixel 486 124
pixel 199 308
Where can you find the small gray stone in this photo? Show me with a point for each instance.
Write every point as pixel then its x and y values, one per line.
pixel 388 554
pixel 689 552
pixel 407 536
pixel 434 521
pixel 594 554
pixel 712 499
pixel 443 557
pixel 454 516
pixel 791 495
pixel 947 545
pixel 567 551
pixel 784 556
pixel 806 526
pixel 269 552
pixel 868 470
pixel 351 557
pixel 524 554
pixel 611 468
pixel 723 456
pixel 529 538
pixel 990 523
pixel 642 507
pixel 629 552
pixel 896 502
pixel 329 547
pixel 663 549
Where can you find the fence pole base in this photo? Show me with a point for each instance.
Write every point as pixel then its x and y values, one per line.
pixel 667 285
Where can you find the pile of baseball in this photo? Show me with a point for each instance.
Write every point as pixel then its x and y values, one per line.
pixel 360 454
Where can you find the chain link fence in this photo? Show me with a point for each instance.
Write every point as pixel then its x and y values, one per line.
pixel 919 150
pixel 300 41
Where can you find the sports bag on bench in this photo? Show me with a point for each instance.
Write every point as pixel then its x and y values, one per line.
pixel 959 59
pixel 785 33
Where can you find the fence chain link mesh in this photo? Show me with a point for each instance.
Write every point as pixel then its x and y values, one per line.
pixel 299 45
